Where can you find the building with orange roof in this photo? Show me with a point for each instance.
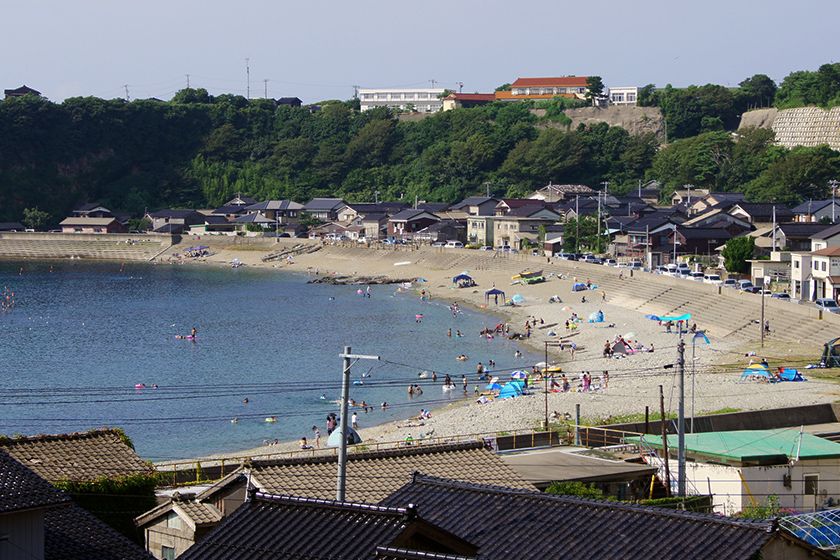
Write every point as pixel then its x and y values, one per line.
pixel 545 88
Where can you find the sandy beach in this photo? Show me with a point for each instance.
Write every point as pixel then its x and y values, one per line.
pixel 633 380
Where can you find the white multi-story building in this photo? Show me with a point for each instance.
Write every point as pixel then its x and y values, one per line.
pixel 623 95
pixel 427 100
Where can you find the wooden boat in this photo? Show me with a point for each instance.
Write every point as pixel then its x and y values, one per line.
pixel 527 274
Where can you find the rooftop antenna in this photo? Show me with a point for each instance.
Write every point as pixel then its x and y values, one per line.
pixel 433 82
pixel 265 88
pixel 127 97
pixel 248 78
pixel 188 80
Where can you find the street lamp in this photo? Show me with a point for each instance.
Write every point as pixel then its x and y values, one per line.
pixel 553 344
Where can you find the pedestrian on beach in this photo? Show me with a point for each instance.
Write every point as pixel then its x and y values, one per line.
pixel 606 379
pixel 573 349
pixel 354 421
pixel 317 433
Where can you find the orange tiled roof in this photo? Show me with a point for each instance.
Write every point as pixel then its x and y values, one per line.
pixel 566 81
pixel 506 95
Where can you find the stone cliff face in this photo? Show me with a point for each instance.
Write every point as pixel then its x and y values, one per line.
pixel 636 120
pixel 803 126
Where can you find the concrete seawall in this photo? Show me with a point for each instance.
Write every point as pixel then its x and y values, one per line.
pixel 24 246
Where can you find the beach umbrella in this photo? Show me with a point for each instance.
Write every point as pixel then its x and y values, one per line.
pixel 494 379
pixel 493 387
pixel 653 317
pixel 519 375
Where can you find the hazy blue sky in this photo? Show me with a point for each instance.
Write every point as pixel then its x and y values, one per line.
pixel 318 50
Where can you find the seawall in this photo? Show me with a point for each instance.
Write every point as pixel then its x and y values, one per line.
pixel 36 246
pixel 802 126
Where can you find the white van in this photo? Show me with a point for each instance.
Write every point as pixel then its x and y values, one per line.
pixel 454 245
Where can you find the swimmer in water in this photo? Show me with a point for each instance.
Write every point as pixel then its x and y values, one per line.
pixel 323 396
pixel 245 400
pixel 193 332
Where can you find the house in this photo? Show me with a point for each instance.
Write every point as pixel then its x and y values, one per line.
pixel 560 193
pixel 92 210
pixel 804 269
pixel 421 100
pixel 173 221
pixel 253 221
pixel 281 526
pixel 284 212
pixel 791 236
pixel 574 87
pixel 507 204
pixel 355 209
pixel 467 100
pixel 324 209
pixel 11 226
pixel 553 242
pixel 717 216
pixel 506 523
pixel 522 225
pixel 685 196
pixel 699 241
pixel 409 221
pixel 825 273
pixel 371 477
pixel 480 230
pixel 818 211
pixel 745 466
pixel 92 225
pixel 376 225
pixel 761 213
pixel 777 268
pixel 39 522
pixel 477 205
pixel 724 200
pixel 212 224
pixel 648 238
pixel 433 207
pixel 20 92
pixel 623 95
pixel 288 101
pixel 442 231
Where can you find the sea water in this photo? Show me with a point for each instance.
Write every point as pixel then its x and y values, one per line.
pixel 81 336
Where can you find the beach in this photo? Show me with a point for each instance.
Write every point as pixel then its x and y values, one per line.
pixel 634 381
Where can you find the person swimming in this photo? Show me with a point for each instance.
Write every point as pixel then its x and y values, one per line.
pixel 323 396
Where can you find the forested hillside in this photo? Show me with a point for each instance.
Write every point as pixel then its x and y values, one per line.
pixel 198 150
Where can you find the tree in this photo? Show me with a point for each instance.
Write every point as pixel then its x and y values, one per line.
pixel 757 91
pixel 579 489
pixel 594 89
pixel 647 96
pixel 503 87
pixel 796 175
pixel 737 252
pixel 33 218
pixel 192 95
pixel 588 228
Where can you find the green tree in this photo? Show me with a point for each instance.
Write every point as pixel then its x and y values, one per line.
pixel 594 89
pixel 33 218
pixel 192 95
pixel 810 88
pixel 503 87
pixel 756 91
pixel 587 228
pixel 579 489
pixel 647 96
pixel 737 252
pixel 796 175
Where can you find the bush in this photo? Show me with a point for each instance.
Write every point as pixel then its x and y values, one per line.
pixel 575 489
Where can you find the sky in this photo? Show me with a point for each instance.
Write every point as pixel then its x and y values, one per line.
pixel 320 50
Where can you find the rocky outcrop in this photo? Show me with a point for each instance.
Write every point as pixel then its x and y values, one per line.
pixel 636 120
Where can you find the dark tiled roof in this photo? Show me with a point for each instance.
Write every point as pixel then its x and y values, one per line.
pixel 82 456
pixel 287 527
pixel 509 524
pixel 377 207
pixel 811 206
pixel 373 475
pixel 71 533
pixel 473 201
pixel 289 101
pixel 231 209
pixel 215 220
pixel 409 214
pixel 22 489
pixel 433 206
pixel 323 204
pixel 275 205
pixel 393 553
pixel 652 221
pixel 802 229
pixel 528 211
pixel 763 211
pixel 520 202
pixel 704 233
pixel 22 90
pixel 173 213
pixel 828 232
pixel 171 228
pixel 88 206
pixel 11 226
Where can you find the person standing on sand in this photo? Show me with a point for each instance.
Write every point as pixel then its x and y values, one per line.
pixel 317 433
pixel 354 420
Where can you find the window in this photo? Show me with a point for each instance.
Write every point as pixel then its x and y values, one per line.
pixel 167 553
pixel 812 484
pixel 795 264
pixel 823 266
pixel 173 521
pixel 631 97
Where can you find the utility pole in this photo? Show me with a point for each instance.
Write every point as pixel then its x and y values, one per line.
pixel 127 97
pixel 761 325
pixel 356 91
pixel 433 82
pixel 248 78
pixel 349 360
pixel 664 432
pixel 376 196
pixel 681 420
pixel 774 227
pixel 833 184
pixel 265 88
pixel 640 189
pixel 188 80
pixel 598 250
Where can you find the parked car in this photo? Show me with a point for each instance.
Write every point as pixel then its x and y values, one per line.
pixel 827 304
pixel 730 283
pixel 438 244
pixel 454 245
pixel 712 279
pixel 661 269
pixel 781 296
pixel 504 248
pixel 592 259
pixel 610 262
pixel 745 285
pixel 696 276
pixel 635 265
pixel 486 248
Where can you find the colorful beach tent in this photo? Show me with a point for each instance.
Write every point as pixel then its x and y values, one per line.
pixel 493 387
pixel 517 298
pixel 510 391
pixel 578 287
pixel 596 317
pixel 756 370
pixel 335 438
pixel 494 293
pixel 519 375
pixel 620 347
pixel 790 374
pixel 463 277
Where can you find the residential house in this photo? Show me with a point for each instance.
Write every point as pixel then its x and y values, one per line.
pixel 522 225
pixel 253 221
pixel 825 273
pixel 355 209
pixel 698 241
pixel 442 231
pixel 11 226
pixel 324 209
pixel 627 95
pixel 507 204
pixel 78 224
pixel 467 100
pixel 480 230
pixel 371 477
pixel 574 87
pixel 724 200
pixel 288 101
pixel 686 196
pixel 477 205
pixel 39 522
pixel 718 216
pixel 283 212
pixel 818 211
pixel 777 268
pixel 376 225
pixel 174 220
pixel 761 213
pixel 506 523
pixel 212 224
pixel 649 238
pixel 561 193
pixel 92 210
pixel 791 236
pixel 293 527
pixel 803 267
pixel 421 100
pixel 554 238
pixel 739 468
pixel 433 207
pixel 404 224
pixel 21 91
